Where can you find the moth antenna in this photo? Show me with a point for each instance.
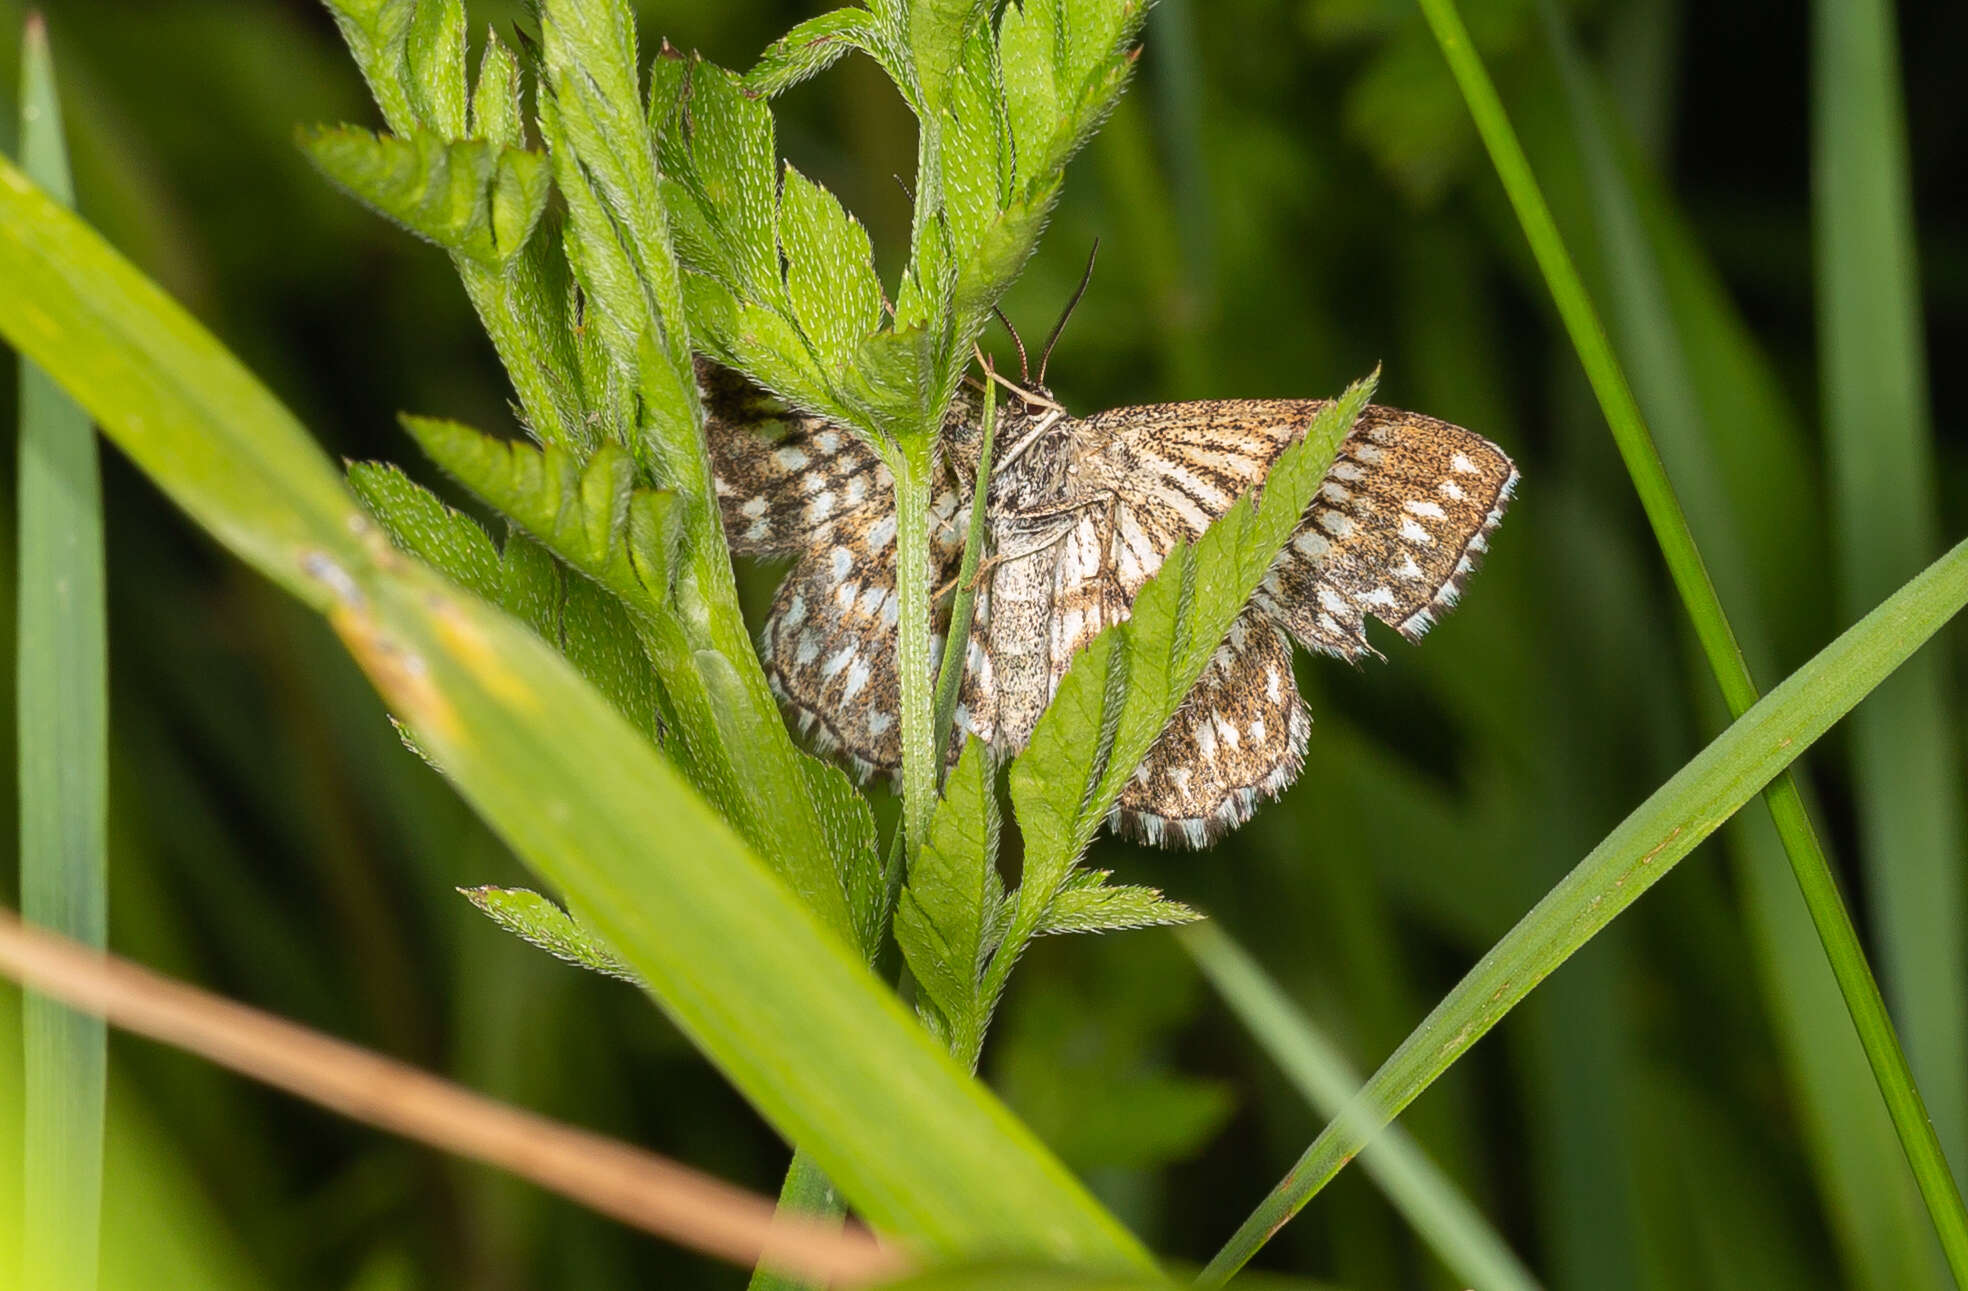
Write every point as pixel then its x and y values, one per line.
pixel 1024 366
pixel 1067 313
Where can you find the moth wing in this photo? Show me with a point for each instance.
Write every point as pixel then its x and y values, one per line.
pixel 1402 519
pixel 785 480
pixel 1400 522
pixel 829 642
pixel 1239 736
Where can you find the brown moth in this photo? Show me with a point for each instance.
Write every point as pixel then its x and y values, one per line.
pixel 1081 513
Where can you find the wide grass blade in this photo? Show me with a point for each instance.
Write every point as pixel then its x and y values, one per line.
pixel 1448 1221
pixel 1874 1210
pixel 1712 629
pixel 925 1153
pixel 1906 763
pixel 1631 859
pixel 63 764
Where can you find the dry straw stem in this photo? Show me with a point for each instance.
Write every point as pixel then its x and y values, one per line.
pixel 634 1186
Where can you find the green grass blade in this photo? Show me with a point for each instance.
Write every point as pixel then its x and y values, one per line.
pixel 63 762
pixel 927 1154
pixel 1448 1221
pixel 1874 1211
pixel 1691 579
pixel 1631 859
pixel 1906 765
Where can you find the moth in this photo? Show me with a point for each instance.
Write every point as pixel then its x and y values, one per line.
pixel 1081 513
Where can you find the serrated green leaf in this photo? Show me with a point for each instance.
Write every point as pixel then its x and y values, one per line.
pixel 725 156
pixel 376 32
pixel 938 30
pixel 830 271
pixel 498 105
pixel 581 509
pixel 1086 903
pixel 532 918
pixel 527 312
pixel 978 164
pixel 434 56
pixel 604 157
pixel 420 522
pixel 952 902
pixel 810 49
pixel 471 197
pixel 1028 41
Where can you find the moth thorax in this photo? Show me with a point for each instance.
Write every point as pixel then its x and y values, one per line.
pixel 1033 455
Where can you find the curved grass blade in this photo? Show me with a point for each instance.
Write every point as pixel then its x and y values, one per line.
pixel 1874 1210
pixel 1636 855
pixel 925 1153
pixel 1905 761
pixel 63 725
pixel 1691 579
pixel 1448 1221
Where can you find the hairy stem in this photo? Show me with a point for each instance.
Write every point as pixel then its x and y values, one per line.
pixel 911 463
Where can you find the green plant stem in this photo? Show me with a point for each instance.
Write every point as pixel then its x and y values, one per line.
pixel 1813 873
pixel 63 763
pixel 806 1189
pixel 911 463
pixel 956 639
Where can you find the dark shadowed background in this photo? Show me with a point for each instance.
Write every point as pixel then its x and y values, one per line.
pixel 1291 193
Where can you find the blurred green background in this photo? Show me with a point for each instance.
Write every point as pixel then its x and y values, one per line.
pixel 1291 193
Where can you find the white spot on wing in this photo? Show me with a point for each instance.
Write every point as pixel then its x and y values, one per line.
pixel 792 459
pixel 1426 510
pixel 1461 464
pixel 1414 533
